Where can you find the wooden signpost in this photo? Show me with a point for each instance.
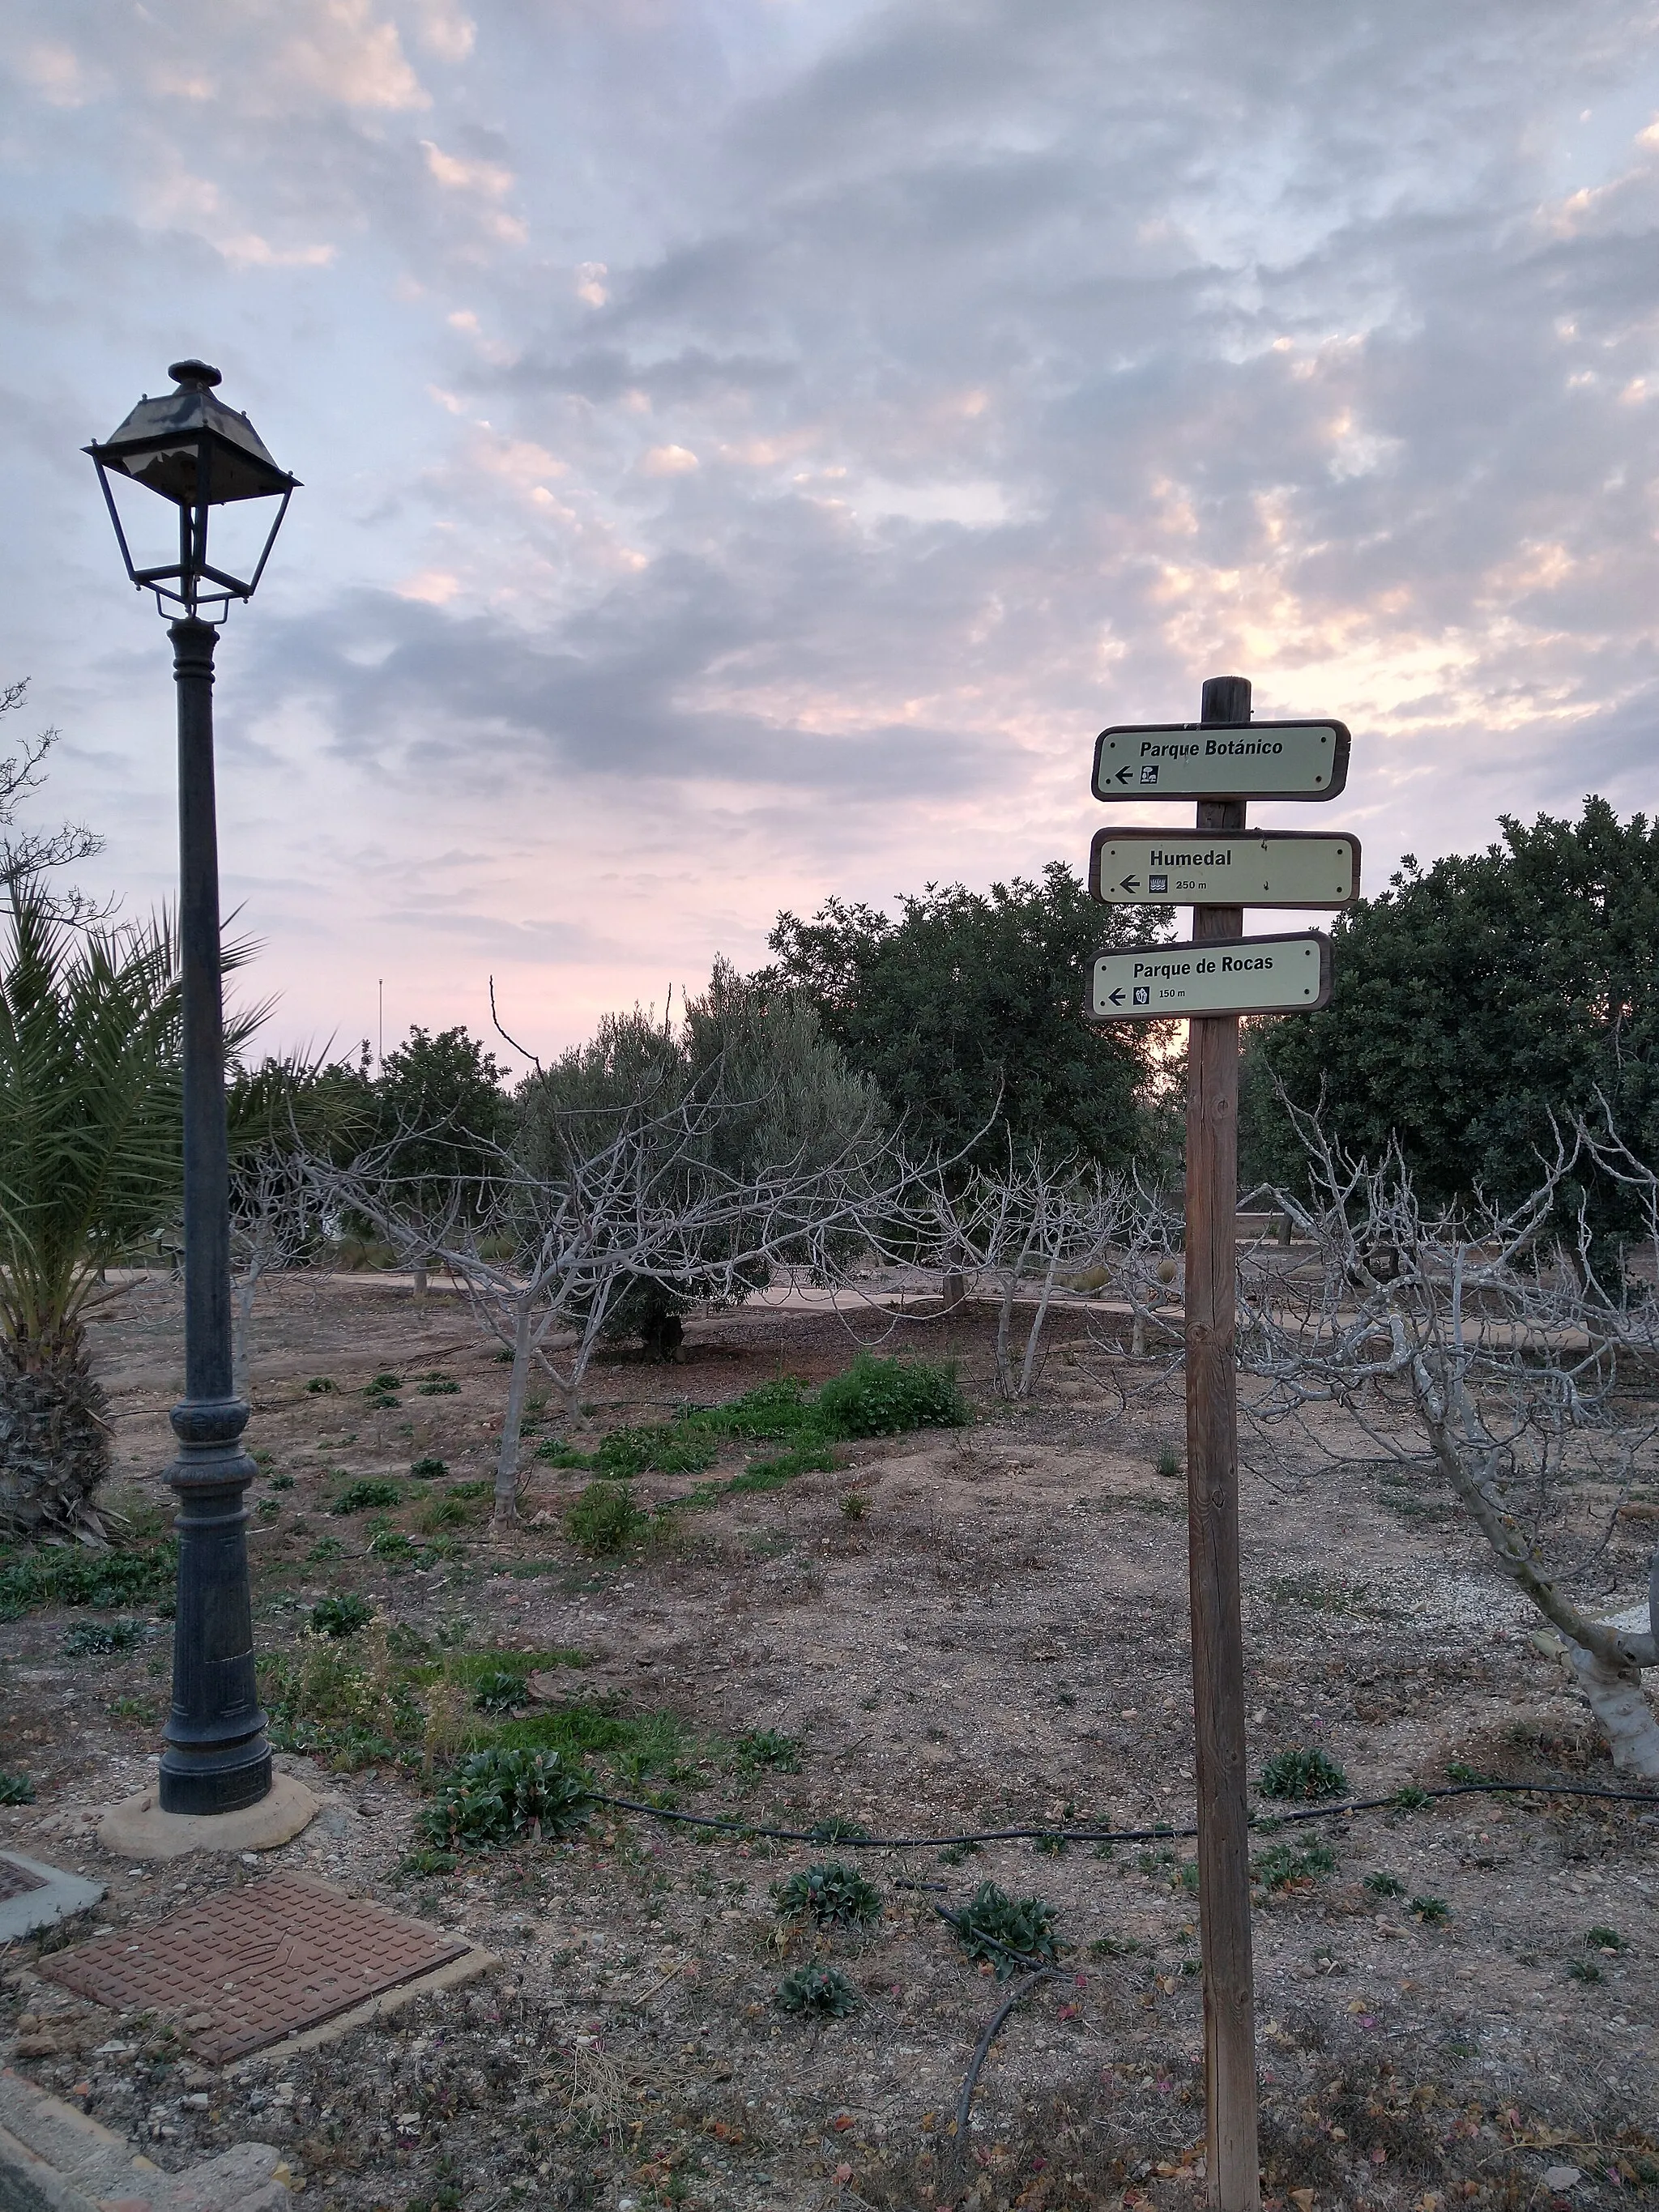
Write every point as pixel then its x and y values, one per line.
pixel 1222 761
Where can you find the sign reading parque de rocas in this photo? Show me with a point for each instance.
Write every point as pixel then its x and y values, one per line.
pixel 1221 975
pixel 1207 760
pixel 1223 867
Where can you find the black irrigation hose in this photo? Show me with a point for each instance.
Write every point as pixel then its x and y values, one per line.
pixel 1019 1992
pixel 1267 1821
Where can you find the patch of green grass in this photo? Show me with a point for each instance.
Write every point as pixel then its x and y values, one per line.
pixel 605 1519
pixel 426 1862
pixel 101 1638
pixel 326 1547
pixel 1114 1947
pixel 823 1990
pixel 359 1496
pixel 474 1489
pixel 557 1453
pixel 1584 1970
pixel 1169 1463
pixel 436 1386
pixel 1302 1773
pixel 992 1924
pixel 490 1797
pixel 429 1469
pixel 657 1448
pixel 834 1830
pixel 766 1748
pixel 1290 1866
pixel 447 1512
pixel 98 1579
pixel 392 1544
pixel 280 1481
pixel 639 1745
pixel 17 1789
pixel 267 1510
pixel 340 1615
pixel 387 1381
pixel 833 1894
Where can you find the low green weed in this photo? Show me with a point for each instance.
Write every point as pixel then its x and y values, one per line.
pixel 359 1496
pixel 824 1990
pixel 834 1830
pixel 340 1616
pixel 326 1547
pixel 17 1789
pixel 1385 1885
pixel 766 1748
pixel 833 1894
pixel 605 1519
pixel 1291 1866
pixel 429 1469
pixel 1304 1774
pixel 101 1638
pixel 322 1386
pixel 501 1691
pixel 993 1924
pixel 436 1386
pixel 1432 1912
pixel 1604 1938
pixel 425 1862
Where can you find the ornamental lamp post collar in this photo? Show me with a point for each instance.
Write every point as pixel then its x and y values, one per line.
pixel 199 454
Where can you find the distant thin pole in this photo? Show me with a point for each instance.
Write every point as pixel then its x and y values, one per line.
pixel 383 1021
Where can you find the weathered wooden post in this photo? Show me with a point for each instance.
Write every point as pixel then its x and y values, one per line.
pixel 1223 1838
pixel 1219 975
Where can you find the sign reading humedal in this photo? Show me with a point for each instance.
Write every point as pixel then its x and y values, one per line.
pixel 1223 867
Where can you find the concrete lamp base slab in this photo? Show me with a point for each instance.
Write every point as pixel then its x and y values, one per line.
pixel 137 1828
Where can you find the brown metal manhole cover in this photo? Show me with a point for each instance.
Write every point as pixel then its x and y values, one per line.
pixel 17 1881
pixel 255 1964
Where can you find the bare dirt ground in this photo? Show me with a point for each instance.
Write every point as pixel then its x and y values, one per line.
pixel 999 1638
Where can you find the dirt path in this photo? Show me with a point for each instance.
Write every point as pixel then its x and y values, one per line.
pixel 993 1634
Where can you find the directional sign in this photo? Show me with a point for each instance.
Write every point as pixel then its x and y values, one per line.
pixel 1199 760
pixel 1223 867
pixel 1225 975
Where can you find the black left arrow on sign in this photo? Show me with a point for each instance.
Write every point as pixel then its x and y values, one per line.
pixel 1124 776
pixel 1116 997
pixel 1130 883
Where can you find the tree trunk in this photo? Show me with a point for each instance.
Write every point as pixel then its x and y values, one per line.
pixel 54 1436
pixel 419 1272
pixel 1614 1695
pixel 507 1459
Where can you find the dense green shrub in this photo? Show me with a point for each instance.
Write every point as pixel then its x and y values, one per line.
pixel 992 1924
pixel 492 1795
pixel 887 1397
pixel 834 1894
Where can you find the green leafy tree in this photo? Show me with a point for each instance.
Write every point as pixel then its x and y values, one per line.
pixel 749 1063
pixel 90 1166
pixel 1471 1000
pixel 968 1002
pixel 440 1100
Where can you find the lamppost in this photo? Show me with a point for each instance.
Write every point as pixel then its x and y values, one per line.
pixel 195 451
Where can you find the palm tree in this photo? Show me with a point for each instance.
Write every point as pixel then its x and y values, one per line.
pixel 90 1165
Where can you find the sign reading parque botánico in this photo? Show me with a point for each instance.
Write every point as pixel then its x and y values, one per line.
pixel 1223 867
pixel 1223 976
pixel 1207 760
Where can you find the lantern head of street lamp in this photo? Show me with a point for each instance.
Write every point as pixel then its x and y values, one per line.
pixel 199 454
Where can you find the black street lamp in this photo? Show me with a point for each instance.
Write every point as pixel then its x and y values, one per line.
pixel 194 451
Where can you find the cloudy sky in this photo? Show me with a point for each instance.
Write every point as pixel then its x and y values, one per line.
pixel 750 446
